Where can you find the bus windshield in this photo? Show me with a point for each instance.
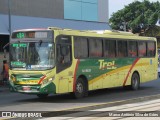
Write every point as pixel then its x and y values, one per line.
pixel 32 55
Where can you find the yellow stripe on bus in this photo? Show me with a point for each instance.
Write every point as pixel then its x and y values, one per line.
pixel 116 71
pixel 109 73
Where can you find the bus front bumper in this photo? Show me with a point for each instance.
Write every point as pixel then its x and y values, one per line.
pixel 34 89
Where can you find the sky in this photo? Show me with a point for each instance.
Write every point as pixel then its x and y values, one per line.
pixel 115 5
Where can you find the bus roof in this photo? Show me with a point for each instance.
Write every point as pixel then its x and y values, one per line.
pixel 98 33
pixel 115 32
pixel 102 33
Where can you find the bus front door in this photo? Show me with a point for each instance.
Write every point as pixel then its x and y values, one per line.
pixel 63 66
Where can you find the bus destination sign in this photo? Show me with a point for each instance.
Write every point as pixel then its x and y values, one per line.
pixel 32 34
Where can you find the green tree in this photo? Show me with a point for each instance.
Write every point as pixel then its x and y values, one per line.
pixel 137 16
pixel 153 31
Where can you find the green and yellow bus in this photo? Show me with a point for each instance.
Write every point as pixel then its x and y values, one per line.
pixel 55 60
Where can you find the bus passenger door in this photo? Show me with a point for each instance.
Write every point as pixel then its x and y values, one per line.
pixel 64 61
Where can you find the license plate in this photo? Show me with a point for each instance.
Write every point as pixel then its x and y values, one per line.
pixel 26 88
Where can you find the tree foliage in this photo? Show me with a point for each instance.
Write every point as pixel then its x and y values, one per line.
pixel 137 16
pixel 153 31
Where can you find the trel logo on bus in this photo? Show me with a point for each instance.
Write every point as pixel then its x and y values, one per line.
pixel 107 65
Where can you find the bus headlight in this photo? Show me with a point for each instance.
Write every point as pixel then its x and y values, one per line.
pixel 51 79
pixel 46 81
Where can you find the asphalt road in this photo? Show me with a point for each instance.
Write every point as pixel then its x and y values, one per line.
pixel 22 102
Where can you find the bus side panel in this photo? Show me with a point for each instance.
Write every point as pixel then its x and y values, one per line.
pixel 105 73
pixel 117 76
pixel 146 68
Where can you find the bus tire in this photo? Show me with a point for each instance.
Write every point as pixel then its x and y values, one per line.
pixel 42 95
pixel 135 81
pixel 81 89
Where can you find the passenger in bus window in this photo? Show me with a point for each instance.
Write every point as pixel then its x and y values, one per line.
pixel 132 53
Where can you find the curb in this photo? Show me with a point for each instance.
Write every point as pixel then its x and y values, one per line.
pixel 115 103
pixel 98 106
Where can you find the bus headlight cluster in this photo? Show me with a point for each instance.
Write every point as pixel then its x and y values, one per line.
pixel 51 79
pixel 46 81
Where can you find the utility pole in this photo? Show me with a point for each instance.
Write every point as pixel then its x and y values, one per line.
pixel 9 18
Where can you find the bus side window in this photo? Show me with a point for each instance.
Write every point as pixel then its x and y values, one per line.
pixel 122 48
pixel 80 47
pixel 142 51
pixel 109 48
pixel 64 52
pixel 132 49
pixel 150 49
pixel 95 47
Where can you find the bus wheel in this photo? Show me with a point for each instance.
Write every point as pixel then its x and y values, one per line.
pixel 135 81
pixel 42 95
pixel 81 89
